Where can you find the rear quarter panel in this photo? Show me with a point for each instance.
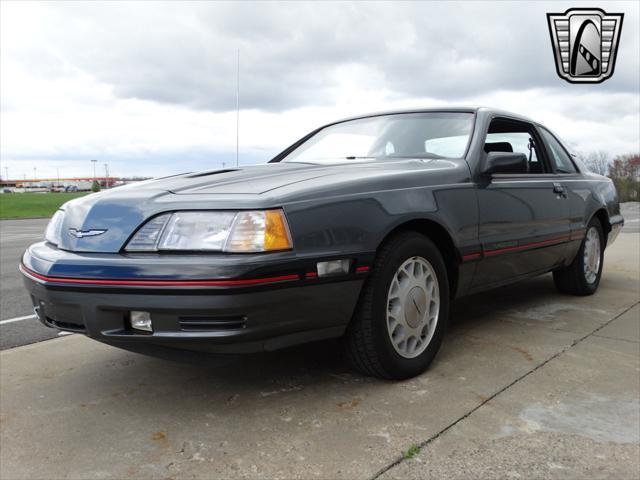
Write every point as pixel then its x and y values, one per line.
pixel 589 193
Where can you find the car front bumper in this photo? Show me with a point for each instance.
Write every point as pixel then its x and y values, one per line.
pixel 270 310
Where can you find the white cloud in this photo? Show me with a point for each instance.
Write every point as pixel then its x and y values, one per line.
pixel 150 88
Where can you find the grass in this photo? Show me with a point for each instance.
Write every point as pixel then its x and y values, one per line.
pixel 32 205
pixel 411 452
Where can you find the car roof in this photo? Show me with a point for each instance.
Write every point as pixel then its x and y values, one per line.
pixel 486 110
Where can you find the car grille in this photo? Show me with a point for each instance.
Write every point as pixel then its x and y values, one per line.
pixel 68 326
pixel 208 323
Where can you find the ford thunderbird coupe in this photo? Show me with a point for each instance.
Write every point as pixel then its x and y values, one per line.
pixel 367 229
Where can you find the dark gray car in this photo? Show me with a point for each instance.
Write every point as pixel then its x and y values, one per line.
pixel 366 228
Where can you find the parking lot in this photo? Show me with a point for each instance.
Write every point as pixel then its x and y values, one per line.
pixel 15 236
pixel 529 384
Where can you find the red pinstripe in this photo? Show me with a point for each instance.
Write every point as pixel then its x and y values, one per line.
pixel 515 248
pixel 160 283
pixel 527 246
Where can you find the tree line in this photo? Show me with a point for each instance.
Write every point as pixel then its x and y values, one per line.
pixel 624 170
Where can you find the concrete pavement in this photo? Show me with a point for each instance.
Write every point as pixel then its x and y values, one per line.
pixel 631 213
pixel 576 416
pixel 529 383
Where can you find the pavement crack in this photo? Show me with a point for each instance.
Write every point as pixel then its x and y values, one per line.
pixel 421 446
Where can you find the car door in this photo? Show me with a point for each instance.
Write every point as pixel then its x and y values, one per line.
pixel 576 185
pixel 523 218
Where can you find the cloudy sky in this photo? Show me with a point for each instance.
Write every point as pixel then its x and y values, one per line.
pixel 150 88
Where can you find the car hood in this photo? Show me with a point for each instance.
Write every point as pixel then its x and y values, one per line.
pixel 120 212
pixel 255 179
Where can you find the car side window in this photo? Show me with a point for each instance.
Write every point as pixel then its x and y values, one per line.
pixel 511 142
pixel 506 135
pixel 558 154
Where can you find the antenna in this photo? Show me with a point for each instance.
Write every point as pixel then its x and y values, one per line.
pixel 238 110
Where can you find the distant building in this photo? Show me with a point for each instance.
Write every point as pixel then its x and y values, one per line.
pixel 78 184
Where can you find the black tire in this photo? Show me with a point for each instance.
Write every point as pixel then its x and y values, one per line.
pixel 367 342
pixel 572 279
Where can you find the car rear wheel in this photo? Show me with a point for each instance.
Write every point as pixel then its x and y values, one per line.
pixel 582 277
pixel 403 309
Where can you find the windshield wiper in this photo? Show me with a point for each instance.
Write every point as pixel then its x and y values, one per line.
pixel 420 155
pixel 430 156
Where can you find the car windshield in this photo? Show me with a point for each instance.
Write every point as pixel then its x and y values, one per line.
pixel 407 135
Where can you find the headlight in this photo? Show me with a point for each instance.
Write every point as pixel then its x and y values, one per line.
pixel 54 228
pixel 235 232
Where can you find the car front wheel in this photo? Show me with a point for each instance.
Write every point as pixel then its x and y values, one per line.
pixel 402 314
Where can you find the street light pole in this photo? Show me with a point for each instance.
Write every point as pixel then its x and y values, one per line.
pixel 106 174
pixel 238 111
pixel 94 169
pixel 6 173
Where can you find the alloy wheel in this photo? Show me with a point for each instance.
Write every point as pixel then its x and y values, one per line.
pixel 413 305
pixel 592 255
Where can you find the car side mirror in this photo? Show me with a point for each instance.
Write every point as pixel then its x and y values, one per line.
pixel 505 162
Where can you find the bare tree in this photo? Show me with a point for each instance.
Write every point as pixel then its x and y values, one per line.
pixel 597 162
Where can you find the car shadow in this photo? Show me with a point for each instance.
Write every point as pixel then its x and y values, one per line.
pixel 484 306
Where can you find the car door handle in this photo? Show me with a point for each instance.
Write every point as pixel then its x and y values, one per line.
pixel 560 190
